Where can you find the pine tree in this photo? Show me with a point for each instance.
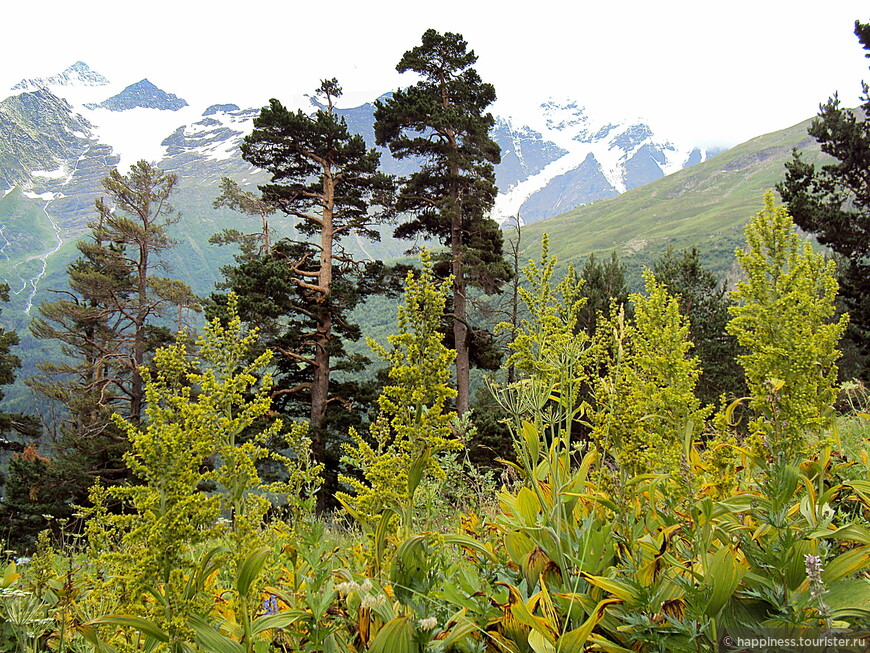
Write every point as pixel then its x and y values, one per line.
pixel 833 202
pixel 135 222
pixel 442 121
pixel 109 322
pixel 233 197
pixel 325 177
pixel 89 378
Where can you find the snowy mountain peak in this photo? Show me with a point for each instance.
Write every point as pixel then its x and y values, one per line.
pixel 220 108
pixel 143 94
pixel 79 74
pixel 587 159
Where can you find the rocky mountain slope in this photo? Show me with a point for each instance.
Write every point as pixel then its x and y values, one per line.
pixel 706 205
pixel 60 135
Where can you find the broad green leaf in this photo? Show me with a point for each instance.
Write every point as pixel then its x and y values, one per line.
pixel 415 473
pixel 91 637
pixel 539 643
pixel 721 579
pixel 640 478
pixel 396 636
pixel 144 626
pixel 212 640
pixel 364 523
pixel 468 543
pixel 518 545
pixel 280 620
pixel 10 575
pixel 527 506
pixel 850 600
pixel 519 470
pixel 851 532
pixel 531 440
pixel 607 646
pixel 251 568
pixel 460 627
pixel 574 641
pixel 845 564
pixel 618 588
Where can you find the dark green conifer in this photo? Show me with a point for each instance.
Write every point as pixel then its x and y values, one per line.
pixel 300 293
pixel 11 423
pixel 603 283
pixel 114 315
pixel 833 201
pixel 442 122
pixel 704 300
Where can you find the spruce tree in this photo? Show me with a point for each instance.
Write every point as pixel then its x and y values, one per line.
pixel 833 201
pixel 442 122
pixel 326 178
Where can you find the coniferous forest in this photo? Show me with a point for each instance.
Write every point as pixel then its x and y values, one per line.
pixel 536 460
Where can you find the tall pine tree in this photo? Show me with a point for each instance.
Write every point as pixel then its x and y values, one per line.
pixel 833 202
pixel 442 121
pixel 114 315
pixel 325 177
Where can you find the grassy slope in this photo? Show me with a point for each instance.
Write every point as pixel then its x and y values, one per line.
pixel 704 205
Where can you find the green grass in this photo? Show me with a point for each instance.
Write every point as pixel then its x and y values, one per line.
pixel 704 205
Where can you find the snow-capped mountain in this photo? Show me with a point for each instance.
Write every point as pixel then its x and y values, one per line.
pixel 79 74
pixel 585 160
pixel 142 95
pixel 61 135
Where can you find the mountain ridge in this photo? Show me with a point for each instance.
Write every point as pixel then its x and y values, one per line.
pixel 201 146
pixel 142 95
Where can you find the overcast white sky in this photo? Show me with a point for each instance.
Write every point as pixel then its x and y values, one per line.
pixel 713 73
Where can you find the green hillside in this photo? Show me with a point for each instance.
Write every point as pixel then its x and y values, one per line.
pixel 704 205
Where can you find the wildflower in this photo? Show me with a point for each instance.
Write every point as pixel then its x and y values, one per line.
pixel 270 605
pixel 817 585
pixel 366 586
pixel 428 624
pixel 814 574
pixel 347 587
pixel 372 601
pixel 23 560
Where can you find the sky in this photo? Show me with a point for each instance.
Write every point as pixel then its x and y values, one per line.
pixel 699 72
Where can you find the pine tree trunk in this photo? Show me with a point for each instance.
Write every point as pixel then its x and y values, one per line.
pixel 323 336
pixel 460 335
pixel 460 321
pixel 137 385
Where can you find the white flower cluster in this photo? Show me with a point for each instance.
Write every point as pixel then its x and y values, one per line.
pixel 428 624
